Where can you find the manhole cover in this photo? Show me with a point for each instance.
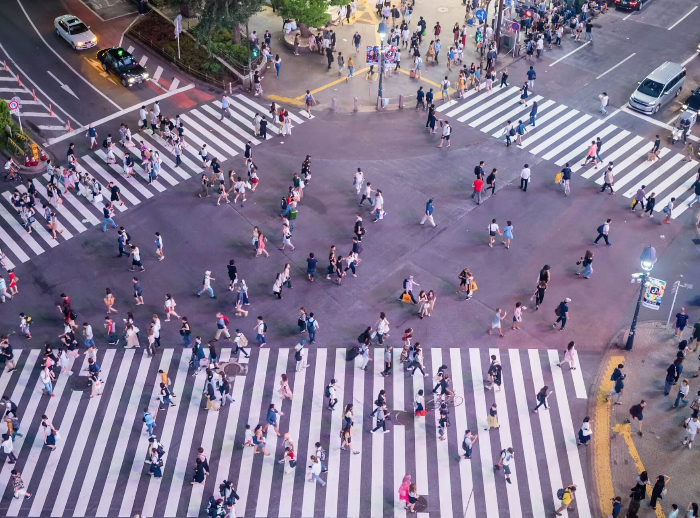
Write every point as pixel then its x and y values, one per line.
pixel 235 369
pixel 443 9
pixel 421 504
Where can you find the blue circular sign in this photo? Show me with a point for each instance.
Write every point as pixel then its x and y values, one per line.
pixel 480 14
pixel 515 26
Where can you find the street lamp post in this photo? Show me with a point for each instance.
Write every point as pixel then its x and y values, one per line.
pixel 647 259
pixel 382 31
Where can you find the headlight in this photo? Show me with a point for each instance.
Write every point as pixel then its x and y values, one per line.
pixel 94 39
pixel 145 75
pixel 131 79
pixel 80 44
pixel 684 106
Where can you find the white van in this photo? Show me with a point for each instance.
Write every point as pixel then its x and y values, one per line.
pixel 659 87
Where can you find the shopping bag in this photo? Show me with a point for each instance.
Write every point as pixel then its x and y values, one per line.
pixel 473 286
pixel 557 178
pixel 405 297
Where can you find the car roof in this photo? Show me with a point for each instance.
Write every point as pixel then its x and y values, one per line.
pixel 118 52
pixel 69 19
pixel 666 72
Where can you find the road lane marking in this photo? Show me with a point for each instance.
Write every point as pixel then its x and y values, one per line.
pixel 119 113
pixel 143 60
pixel 683 17
pixel 628 16
pixel 569 54
pixel 614 67
pixel 650 120
pixel 130 50
pixel 174 84
pixel 19 230
pixel 62 85
pixel 64 61
pixel 156 76
pixel 691 58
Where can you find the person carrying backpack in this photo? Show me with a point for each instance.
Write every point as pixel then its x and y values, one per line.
pixel 566 495
pixel 329 393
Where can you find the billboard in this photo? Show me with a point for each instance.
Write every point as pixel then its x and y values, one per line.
pixel 373 52
pixel 653 293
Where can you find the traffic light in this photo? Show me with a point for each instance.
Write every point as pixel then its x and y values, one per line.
pixel 255 52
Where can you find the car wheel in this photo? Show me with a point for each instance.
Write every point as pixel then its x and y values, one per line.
pixel 125 83
pixel 104 67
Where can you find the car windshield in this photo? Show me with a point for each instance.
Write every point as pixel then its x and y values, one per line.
pixel 650 88
pixel 126 62
pixel 78 28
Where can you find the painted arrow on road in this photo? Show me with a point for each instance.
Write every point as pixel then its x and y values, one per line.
pixel 64 86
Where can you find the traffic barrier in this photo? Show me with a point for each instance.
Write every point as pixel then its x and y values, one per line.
pixel 400 102
pixel 69 130
pixel 332 104
pixel 4 63
pixel 19 83
pixel 50 110
pixel 34 94
pixel 355 105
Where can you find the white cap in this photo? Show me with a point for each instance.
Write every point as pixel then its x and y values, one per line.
pixel 567 299
pixel 207 272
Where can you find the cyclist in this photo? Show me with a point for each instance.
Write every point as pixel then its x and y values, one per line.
pixel 11 168
pixel 445 391
pixel 566 178
pixel 439 376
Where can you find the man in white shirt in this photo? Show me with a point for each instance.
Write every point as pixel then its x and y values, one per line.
pixel 7 448
pixel 330 394
pixel 446 132
pixel 524 177
pixel 692 425
pixel 358 180
pixel 604 99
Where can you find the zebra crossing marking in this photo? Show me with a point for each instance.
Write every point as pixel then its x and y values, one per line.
pixel 510 102
pixel 579 136
pixel 131 181
pixel 236 129
pixel 607 145
pixel 220 143
pixel 468 104
pixel 37 227
pixel 545 129
pixel 107 177
pixel 560 134
pixel 138 168
pixel 656 173
pixel 515 113
pixel 377 439
pixel 460 412
pixel 19 230
pixel 333 456
pixel 481 107
pixel 442 455
pixel 63 211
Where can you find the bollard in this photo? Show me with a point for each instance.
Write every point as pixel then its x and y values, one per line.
pixel 69 130
pixel 355 106
pixel 400 102
pixel 230 88
pixel 379 103
pixel 50 110
pixel 34 94
pixel 19 83
pixel 332 104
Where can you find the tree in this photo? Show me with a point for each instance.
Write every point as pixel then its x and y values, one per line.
pixel 229 14
pixel 307 13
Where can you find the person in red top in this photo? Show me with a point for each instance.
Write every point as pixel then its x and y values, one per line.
pixel 478 187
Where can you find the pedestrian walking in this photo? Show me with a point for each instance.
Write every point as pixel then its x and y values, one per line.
pixel 585 432
pixel 681 323
pixel 18 485
pixel 492 418
pixel 542 397
pixel 428 215
pixel 496 322
pixel 603 232
pixel 570 356
pixel 585 262
pixel 668 212
pixel 493 229
pixel 524 177
pixel 505 459
pixel 566 496
pixel 562 313
pixel 637 414
pixel 604 100
pixel 206 285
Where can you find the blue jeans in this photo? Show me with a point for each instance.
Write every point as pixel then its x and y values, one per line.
pixel 532 119
pixel 667 387
pixel 110 221
pixel 312 335
pixel 208 290
pixel 588 270
pixel 287 210
pixel 679 397
pixel 150 426
pixel 89 342
pixel 186 340
pixel 277 69
pixel 261 339
pixel 48 388
pixel 350 71
pixel 587 36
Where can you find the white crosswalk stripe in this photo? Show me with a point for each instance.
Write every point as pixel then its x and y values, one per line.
pixel 412 446
pixel 79 213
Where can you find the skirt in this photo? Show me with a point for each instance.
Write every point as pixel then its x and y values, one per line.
pixel 155 469
pixel 583 439
pixel 492 421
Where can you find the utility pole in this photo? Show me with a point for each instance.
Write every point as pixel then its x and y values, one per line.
pixel 250 71
pixel 497 35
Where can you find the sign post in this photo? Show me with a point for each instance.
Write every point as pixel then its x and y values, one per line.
pixel 14 106
pixel 178 29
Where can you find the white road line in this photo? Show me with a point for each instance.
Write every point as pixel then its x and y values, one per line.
pixel 581 149
pixel 540 120
pixel 615 66
pixel 442 454
pixel 515 114
pixel 355 468
pixel 157 74
pixel 165 158
pixel 268 463
pixel 651 120
pixel 628 15
pixel 377 488
pixel 318 404
pixel 37 227
pixel 217 128
pixel 612 156
pixel 6 376
pixel 63 211
pixel 484 442
pixel 525 426
pixel 130 50
pixel 37 447
pixel 120 113
pixel 677 193
pixel 420 436
pixel 481 107
pixel 559 134
pixel 125 431
pixel 440 109
pixel 476 100
pixel 681 206
pixel 83 78
pixel 656 173
pixel 73 200
pixel 165 435
pixel 399 433
pixel 229 439
pixel 331 510
pixel 691 58
pixel 569 54
pixel 287 492
pixel 256 396
pixel 70 468
pixel 30 102
pixel 8 79
pixel 514 508
pixel 639 153
pixel 174 84
pixel 213 153
pixel 208 135
pixel 207 442
pixel 37 114
pixel 131 181
pixel 498 109
pixel 51 466
pixel 245 134
pixel 550 446
pixel 143 60
pixel 581 135
pixel 51 128
pixel 569 436
pixel 100 453
pixel 238 106
pixel 139 170
pixel 683 17
pixel 543 129
pixel 19 229
pixel 12 90
pixel 460 412
pixel 671 179
pixel 109 178
pixel 304 114
pixel 12 245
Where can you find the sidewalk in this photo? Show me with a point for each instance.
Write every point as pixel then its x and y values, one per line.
pixel 310 71
pixel 659 450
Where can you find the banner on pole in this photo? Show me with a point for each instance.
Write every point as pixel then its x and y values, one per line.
pixel 653 293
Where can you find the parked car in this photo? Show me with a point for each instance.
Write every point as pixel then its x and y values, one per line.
pixel 693 101
pixel 658 88
pixel 75 32
pixel 631 4
pixel 117 61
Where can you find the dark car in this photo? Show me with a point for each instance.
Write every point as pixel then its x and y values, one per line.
pixel 119 62
pixel 693 101
pixel 631 4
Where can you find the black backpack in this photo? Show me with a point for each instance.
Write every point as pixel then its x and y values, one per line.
pixel 160 450
pixel 327 392
pixel 264 327
pixel 600 229
pixel 297 356
pixel 104 143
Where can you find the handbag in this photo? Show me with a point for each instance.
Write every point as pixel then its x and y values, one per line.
pixel 405 297
pixel 473 286
pixel 557 178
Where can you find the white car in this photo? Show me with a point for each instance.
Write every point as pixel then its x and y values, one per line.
pixel 75 32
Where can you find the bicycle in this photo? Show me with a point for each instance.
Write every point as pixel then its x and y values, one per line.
pixel 451 400
pixel 13 177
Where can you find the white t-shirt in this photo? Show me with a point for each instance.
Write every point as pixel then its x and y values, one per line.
pixel 692 427
pixel 493 227
pixel 261 328
pixel 525 173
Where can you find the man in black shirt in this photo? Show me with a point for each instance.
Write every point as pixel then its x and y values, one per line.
pixel 108 212
pixel 562 313
pixel 311 265
pixel 114 193
pixel 232 274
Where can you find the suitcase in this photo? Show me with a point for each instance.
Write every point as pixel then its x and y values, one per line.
pixel 413 73
pixel 352 353
pixel 293 214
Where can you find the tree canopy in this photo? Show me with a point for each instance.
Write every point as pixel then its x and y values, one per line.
pixel 311 13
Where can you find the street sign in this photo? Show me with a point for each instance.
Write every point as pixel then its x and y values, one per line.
pixel 13 105
pixel 178 25
pixel 515 26
pixel 17 100
pixel 480 14
pixel 653 293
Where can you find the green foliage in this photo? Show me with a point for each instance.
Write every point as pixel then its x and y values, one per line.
pixel 218 14
pixel 222 43
pixel 311 13
pixel 5 116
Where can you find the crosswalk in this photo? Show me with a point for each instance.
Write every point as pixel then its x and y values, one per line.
pixel 563 134
pixel 224 139
pixel 98 467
